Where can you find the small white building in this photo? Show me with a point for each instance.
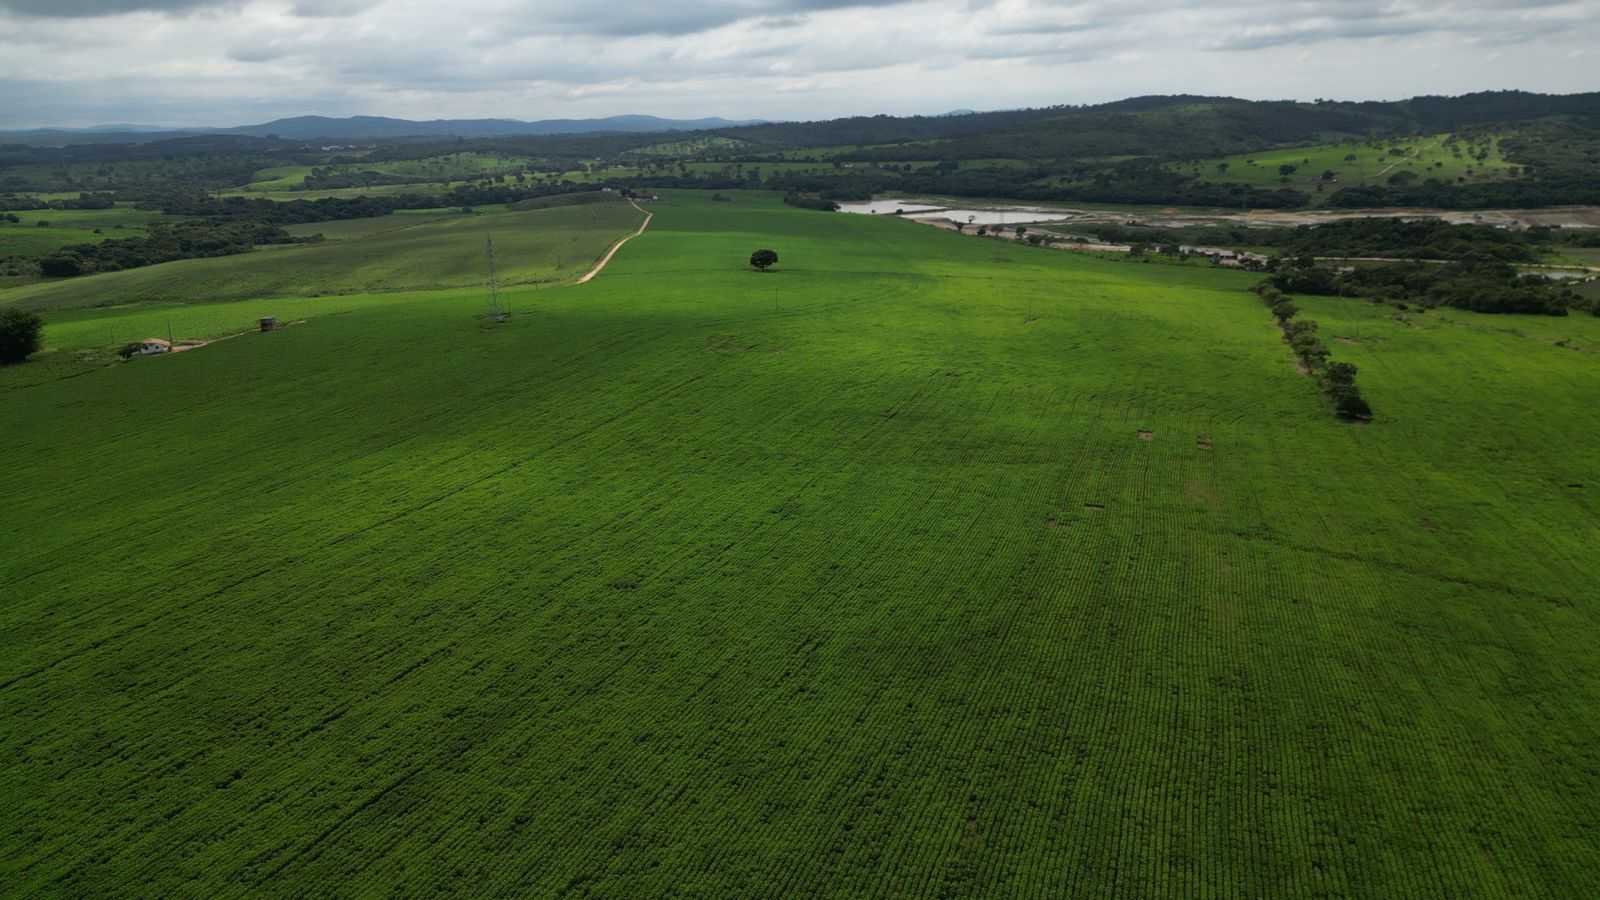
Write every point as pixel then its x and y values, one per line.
pixel 152 346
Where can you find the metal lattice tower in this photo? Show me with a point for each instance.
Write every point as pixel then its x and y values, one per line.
pixel 494 284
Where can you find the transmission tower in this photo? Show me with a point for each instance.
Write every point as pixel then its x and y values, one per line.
pixel 494 285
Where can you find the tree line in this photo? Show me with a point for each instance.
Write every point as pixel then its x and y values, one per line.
pixel 1388 238
pixel 1338 380
pixel 1477 284
pixel 163 243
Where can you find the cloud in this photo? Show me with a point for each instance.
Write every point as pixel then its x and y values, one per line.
pixel 83 9
pixel 233 61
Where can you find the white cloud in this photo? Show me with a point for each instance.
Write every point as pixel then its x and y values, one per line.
pixel 210 62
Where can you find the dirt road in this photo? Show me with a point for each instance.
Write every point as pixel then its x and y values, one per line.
pixel 618 245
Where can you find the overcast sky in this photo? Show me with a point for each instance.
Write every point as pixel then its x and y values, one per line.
pixel 234 62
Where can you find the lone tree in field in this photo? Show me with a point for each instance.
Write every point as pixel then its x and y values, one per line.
pixel 19 335
pixel 761 259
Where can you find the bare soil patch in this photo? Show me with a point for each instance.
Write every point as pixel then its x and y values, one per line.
pixel 1146 435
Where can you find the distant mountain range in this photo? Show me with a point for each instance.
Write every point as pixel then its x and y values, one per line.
pixel 355 128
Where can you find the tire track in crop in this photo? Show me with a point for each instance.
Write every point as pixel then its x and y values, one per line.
pixel 296 560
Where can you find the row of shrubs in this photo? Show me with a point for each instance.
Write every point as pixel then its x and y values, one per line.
pixel 82 201
pixel 1479 284
pixel 163 243
pixel 1338 379
pixel 809 201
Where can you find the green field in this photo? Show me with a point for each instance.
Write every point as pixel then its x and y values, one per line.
pixel 279 178
pixel 923 566
pixel 690 146
pixel 443 168
pixel 536 246
pixel 1445 157
pixel 64 227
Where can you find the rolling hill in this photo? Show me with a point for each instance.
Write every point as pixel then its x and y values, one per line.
pixel 921 566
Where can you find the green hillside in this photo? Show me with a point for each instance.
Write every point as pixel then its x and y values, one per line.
pixel 401 252
pixel 1325 168
pixel 922 566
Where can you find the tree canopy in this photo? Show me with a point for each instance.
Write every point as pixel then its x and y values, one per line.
pixel 20 334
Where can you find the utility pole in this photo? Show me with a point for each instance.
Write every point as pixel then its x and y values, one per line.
pixel 494 284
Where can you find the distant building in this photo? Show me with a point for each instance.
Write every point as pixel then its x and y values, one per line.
pixel 152 346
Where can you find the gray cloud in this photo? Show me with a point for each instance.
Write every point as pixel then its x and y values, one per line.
pixel 82 9
pixel 229 61
pixel 87 9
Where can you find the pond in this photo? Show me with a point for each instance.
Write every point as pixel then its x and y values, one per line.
pixel 1000 215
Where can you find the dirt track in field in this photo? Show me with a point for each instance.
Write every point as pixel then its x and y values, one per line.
pixel 618 245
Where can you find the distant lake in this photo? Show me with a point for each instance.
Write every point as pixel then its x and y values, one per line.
pixel 1006 215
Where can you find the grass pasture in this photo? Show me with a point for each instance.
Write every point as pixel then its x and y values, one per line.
pixel 1441 156
pixel 448 167
pixel 69 226
pixel 923 566
pixel 396 253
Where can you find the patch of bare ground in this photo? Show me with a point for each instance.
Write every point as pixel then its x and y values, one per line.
pixel 1145 435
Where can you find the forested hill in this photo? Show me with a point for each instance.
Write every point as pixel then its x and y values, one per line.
pixel 1163 125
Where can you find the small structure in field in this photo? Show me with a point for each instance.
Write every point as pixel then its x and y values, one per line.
pixel 152 346
pixel 269 323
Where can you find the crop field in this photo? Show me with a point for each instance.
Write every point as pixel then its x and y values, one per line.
pixel 922 566
pixel 1442 156
pixel 535 246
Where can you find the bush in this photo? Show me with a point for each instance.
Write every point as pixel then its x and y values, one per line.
pixel 803 201
pixel 761 259
pixel 61 265
pixel 1339 381
pixel 20 333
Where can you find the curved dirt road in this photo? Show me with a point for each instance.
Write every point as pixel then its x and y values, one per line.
pixel 618 245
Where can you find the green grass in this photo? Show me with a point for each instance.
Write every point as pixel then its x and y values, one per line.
pixel 851 579
pixel 430 170
pixel 70 226
pixel 279 178
pixel 347 229
pixel 537 246
pixel 1432 156
pixel 376 190
pixel 690 146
